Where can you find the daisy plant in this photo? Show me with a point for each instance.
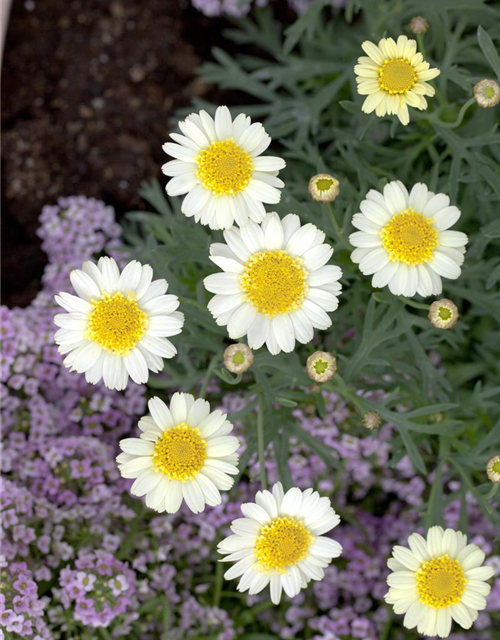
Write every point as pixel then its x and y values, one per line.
pixel 420 399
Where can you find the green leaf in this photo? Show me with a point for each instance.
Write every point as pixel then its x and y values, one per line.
pixel 412 449
pixel 492 230
pixel 489 50
pixel 306 23
pixel 281 454
pixel 435 514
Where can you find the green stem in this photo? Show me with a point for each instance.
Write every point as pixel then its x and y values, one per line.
pixel 492 492
pixel 208 375
pixel 421 45
pixel 218 584
pixel 260 442
pixel 460 117
pixel 415 305
pixel 387 627
pixel 338 232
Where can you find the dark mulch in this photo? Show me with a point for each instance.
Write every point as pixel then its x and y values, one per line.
pixel 88 89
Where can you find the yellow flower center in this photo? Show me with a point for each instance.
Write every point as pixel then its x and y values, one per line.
pixel 274 282
pixel 180 453
pixel 320 366
pixel 238 358
pixel 324 184
pixel 281 544
pixel 396 76
pixel 440 582
pixel 496 466
pixel 444 313
pixel 116 323
pixel 489 92
pixel 409 237
pixel 224 168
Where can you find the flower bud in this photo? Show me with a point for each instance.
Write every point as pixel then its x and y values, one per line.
pixel 321 366
pixel 323 188
pixel 418 25
pixel 443 314
pixel 493 469
pixel 487 93
pixel 238 358
pixel 371 420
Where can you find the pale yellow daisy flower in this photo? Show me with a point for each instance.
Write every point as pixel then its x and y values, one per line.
pixel 437 580
pixel 394 77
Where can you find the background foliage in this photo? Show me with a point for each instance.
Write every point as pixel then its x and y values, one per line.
pixel 441 386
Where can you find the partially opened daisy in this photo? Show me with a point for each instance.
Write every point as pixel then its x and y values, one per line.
pixel 184 453
pixel 118 323
pixel 280 542
pixel 437 580
pixel 218 164
pixel 404 239
pixel 276 287
pixel 394 77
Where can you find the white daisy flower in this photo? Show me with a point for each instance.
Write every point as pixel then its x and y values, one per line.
pixel 405 242
pixel 280 542
pixel 275 288
pixel 218 164
pixel 394 77
pixel 118 323
pixel 438 580
pixel 184 453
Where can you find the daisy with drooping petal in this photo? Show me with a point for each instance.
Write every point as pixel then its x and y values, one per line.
pixel 404 240
pixel 184 453
pixel 280 542
pixel 437 580
pixel 118 323
pixel 275 287
pixel 394 77
pixel 218 164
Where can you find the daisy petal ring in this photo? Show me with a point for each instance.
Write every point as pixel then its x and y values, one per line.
pixel 405 242
pixel 118 324
pixel 275 286
pixel 219 167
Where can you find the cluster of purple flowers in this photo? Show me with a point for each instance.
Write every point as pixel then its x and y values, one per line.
pixel 75 228
pixel 238 8
pixel 78 552
pixel 99 588
pixel 21 609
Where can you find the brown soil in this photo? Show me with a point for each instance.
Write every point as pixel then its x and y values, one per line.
pixel 89 88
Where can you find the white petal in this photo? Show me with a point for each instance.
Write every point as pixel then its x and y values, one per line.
pixel 223 123
pixel 84 285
